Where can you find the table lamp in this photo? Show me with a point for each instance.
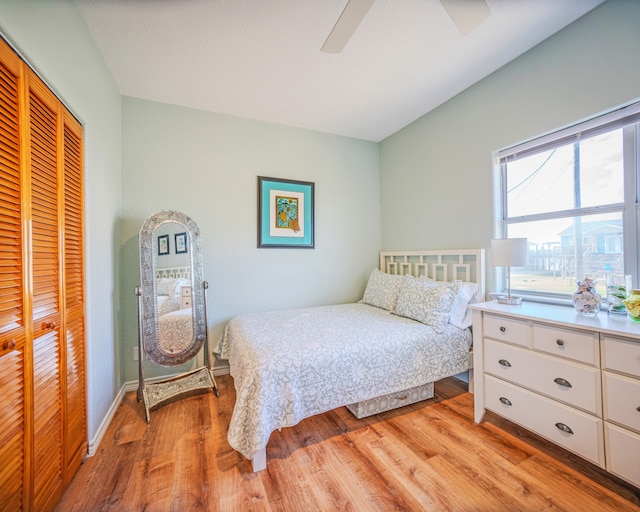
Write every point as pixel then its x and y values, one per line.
pixel 509 252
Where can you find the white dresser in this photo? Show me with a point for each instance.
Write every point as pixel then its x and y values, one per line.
pixel 185 297
pixel 572 380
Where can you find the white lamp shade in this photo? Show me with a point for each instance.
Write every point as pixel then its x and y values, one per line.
pixel 509 252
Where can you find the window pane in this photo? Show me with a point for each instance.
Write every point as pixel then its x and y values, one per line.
pixel 556 261
pixel 539 183
pixel 602 170
pixel 584 174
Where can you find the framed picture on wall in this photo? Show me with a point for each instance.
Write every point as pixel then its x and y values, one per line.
pixel 285 213
pixel 163 245
pixel 181 243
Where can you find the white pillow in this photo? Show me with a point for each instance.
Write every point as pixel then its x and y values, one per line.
pixel 166 286
pixel 429 302
pixel 170 286
pixel 182 281
pixel 382 290
pixel 167 304
pixel 460 313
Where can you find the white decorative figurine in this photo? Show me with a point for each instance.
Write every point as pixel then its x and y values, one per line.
pixel 586 299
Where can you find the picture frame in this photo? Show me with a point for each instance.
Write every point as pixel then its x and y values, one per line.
pixel 163 245
pixel 285 213
pixel 181 243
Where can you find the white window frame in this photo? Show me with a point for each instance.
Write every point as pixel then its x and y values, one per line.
pixel 628 118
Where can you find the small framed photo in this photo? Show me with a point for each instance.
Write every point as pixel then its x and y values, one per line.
pixel 163 245
pixel 285 213
pixel 181 243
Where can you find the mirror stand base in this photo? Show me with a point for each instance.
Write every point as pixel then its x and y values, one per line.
pixel 158 392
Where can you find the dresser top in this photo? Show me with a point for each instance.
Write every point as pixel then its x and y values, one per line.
pixel 616 325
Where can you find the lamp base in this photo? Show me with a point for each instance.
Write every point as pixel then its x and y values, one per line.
pixel 513 301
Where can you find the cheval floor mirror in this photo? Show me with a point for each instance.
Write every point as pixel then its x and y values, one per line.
pixel 172 307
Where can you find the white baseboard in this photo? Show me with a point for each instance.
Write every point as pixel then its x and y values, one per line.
pixel 94 443
pixel 102 429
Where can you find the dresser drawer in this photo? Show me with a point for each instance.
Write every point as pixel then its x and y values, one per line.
pixel 574 430
pixel 621 356
pixel 577 345
pixel 572 383
pixel 185 297
pixel 622 400
pixel 507 329
pixel 623 449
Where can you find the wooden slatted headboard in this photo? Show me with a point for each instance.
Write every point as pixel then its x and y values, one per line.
pixel 446 265
pixel 174 272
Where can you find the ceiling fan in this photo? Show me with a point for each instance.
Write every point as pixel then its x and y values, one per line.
pixel 466 14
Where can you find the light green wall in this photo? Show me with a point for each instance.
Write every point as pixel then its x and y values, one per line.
pixel 56 42
pixel 431 186
pixel 437 173
pixel 206 165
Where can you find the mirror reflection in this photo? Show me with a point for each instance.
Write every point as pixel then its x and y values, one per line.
pixel 173 323
pixel 173 288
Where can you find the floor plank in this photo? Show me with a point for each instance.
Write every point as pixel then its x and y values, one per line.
pixel 426 456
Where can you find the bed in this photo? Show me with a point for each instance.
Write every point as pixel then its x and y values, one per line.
pixel 409 330
pixel 176 330
pixel 175 321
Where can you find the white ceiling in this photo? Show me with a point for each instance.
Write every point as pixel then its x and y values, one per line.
pixel 261 59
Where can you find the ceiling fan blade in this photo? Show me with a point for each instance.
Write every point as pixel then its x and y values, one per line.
pixel 467 14
pixel 346 25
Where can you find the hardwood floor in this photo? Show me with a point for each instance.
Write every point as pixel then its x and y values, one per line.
pixel 427 456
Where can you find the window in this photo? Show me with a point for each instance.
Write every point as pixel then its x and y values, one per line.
pixel 574 196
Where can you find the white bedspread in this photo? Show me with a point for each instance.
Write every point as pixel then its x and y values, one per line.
pixel 292 364
pixel 176 330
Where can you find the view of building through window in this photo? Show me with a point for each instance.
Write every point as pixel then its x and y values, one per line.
pixel 568 200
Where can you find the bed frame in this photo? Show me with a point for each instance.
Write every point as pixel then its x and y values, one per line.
pixel 446 265
pixel 174 272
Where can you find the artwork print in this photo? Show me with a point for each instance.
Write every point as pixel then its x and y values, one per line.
pixel 181 243
pixel 163 245
pixel 285 213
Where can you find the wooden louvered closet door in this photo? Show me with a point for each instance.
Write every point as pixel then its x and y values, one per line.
pixel 43 315
pixel 13 321
pixel 73 291
pixel 45 263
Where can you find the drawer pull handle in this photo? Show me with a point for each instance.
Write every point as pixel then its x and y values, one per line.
pixel 562 382
pixel 564 428
pixel 505 363
pixel 50 325
pixel 10 344
pixel 505 401
pixel 401 398
pixel 503 329
pixel 560 342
